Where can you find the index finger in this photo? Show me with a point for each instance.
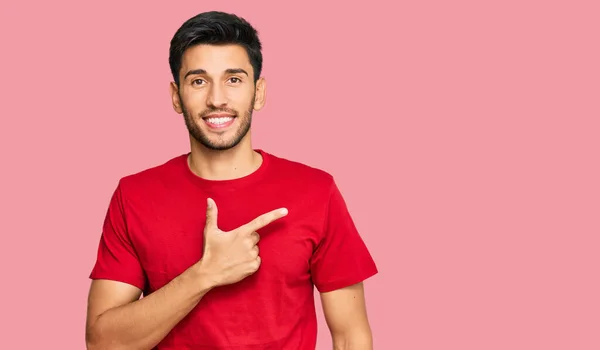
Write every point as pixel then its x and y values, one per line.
pixel 264 220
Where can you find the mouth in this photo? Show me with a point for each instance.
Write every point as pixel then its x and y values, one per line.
pixel 219 121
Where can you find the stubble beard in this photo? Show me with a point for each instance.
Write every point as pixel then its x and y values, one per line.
pixel 221 144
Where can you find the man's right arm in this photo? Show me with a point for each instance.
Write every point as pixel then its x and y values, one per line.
pixel 118 319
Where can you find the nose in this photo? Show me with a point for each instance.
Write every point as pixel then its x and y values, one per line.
pixel 217 96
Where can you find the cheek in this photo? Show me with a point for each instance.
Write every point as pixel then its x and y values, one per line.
pixel 244 100
pixel 194 102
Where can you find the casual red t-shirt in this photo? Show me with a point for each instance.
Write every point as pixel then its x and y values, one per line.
pixel 154 229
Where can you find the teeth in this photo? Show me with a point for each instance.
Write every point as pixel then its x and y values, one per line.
pixel 219 120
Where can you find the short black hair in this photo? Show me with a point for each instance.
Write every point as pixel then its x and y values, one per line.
pixel 215 28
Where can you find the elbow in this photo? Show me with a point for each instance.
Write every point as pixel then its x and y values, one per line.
pixel 355 339
pixel 96 340
pixel 91 346
pixel 95 343
pixel 93 340
pixel 92 334
pixel 90 342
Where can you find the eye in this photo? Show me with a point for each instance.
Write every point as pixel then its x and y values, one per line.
pixel 235 80
pixel 197 81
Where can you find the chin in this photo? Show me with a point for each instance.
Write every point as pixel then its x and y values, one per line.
pixel 219 146
pixel 216 143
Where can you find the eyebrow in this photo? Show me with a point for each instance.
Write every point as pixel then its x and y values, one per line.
pixel 228 71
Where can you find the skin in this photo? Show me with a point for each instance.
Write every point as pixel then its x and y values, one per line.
pixel 213 79
pixel 346 316
pixel 118 319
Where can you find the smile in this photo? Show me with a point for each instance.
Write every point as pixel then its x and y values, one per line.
pixel 219 122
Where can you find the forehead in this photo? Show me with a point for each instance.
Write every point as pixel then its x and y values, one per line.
pixel 215 59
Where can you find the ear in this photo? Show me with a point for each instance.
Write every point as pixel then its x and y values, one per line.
pixel 261 94
pixel 175 98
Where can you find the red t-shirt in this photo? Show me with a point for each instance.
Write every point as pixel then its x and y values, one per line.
pixel 154 229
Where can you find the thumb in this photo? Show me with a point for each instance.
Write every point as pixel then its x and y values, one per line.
pixel 211 214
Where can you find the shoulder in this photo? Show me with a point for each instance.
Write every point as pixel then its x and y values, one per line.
pixel 300 172
pixel 153 177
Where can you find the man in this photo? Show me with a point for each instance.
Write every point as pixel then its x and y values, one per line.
pixel 226 242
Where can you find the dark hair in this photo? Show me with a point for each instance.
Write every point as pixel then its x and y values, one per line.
pixel 216 28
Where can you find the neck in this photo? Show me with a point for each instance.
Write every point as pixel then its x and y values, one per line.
pixel 233 163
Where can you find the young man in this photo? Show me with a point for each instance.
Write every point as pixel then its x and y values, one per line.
pixel 226 242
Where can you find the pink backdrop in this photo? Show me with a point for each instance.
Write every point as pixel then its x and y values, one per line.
pixel 464 137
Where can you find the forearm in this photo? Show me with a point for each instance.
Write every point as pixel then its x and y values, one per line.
pixel 353 340
pixel 144 323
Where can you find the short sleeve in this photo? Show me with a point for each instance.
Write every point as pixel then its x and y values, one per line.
pixel 116 258
pixel 341 258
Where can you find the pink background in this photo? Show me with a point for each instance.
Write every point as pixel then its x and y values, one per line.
pixel 464 136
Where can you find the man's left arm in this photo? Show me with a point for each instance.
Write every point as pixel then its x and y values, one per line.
pixel 346 316
pixel 339 265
